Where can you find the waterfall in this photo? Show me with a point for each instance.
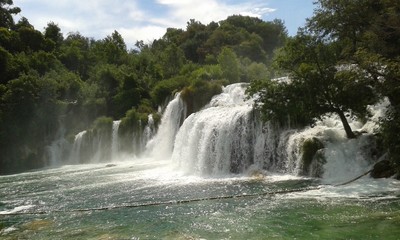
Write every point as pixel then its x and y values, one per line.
pixel 148 132
pixel 161 145
pixel 55 151
pixel 220 138
pixel 75 156
pixel 227 136
pixel 115 140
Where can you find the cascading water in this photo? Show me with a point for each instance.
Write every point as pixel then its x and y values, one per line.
pixel 227 136
pixel 56 149
pixel 161 146
pixel 75 156
pixel 115 140
pixel 148 132
pixel 218 139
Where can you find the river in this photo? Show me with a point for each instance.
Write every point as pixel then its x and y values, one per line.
pixel 97 202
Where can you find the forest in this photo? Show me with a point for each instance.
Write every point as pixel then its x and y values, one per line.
pixel 345 58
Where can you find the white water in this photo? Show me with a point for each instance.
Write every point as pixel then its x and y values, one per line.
pixel 217 140
pixel 149 132
pixel 115 140
pixel 75 156
pixel 57 147
pixel 227 137
pixel 161 146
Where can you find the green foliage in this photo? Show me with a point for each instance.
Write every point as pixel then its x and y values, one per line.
pixel 6 12
pixel 229 63
pixel 111 50
pixel 172 60
pixel 132 121
pixel 75 54
pixel 317 85
pixel 53 33
pixel 199 93
pixel 103 124
pixel 370 30
pixel 164 89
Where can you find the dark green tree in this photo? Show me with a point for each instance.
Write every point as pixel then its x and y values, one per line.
pixel 53 33
pixel 318 84
pixel 6 13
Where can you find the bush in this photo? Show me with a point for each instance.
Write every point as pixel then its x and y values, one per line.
pixel 103 125
pixel 164 89
pixel 199 93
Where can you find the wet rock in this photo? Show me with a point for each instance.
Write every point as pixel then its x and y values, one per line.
pixel 111 165
pixel 383 169
pixel 316 168
pixel 309 153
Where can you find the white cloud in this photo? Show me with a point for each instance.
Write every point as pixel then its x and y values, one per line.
pixel 206 11
pixel 99 18
pixel 145 33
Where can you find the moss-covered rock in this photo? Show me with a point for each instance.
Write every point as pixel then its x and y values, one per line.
pixel 383 169
pixel 309 151
pixel 316 168
pixel 103 125
pixel 199 93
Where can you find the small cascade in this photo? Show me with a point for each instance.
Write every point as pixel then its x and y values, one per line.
pixel 148 132
pixel 161 145
pixel 75 156
pixel 115 140
pixel 56 150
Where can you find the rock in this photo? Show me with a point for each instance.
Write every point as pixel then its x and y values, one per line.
pixel 316 168
pixel 257 175
pixel 383 169
pixel 309 149
pixel 111 165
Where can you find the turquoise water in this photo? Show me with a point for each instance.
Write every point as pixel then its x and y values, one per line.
pixel 46 204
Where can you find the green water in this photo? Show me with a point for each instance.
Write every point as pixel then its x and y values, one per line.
pixel 367 209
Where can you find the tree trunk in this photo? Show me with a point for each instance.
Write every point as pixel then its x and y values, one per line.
pixel 347 128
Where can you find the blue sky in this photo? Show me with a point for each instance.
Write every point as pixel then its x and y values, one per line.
pixel 148 19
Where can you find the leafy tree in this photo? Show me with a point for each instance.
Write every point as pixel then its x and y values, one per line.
pixel 172 59
pixel 371 29
pixel 75 54
pixel 6 12
pixel 53 33
pixel 317 84
pixel 229 63
pixel 111 49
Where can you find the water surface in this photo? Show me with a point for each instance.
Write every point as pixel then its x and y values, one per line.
pixel 47 205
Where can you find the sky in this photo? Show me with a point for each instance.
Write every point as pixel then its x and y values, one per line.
pixel 148 19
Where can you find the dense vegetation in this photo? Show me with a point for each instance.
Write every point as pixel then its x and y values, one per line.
pixel 54 85
pixel 345 58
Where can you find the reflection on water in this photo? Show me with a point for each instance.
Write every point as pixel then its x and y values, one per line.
pixel 367 208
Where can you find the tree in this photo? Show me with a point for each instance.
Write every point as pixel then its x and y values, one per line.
pixel 229 63
pixel 53 33
pixel 317 85
pixel 371 29
pixel 172 59
pixel 6 12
